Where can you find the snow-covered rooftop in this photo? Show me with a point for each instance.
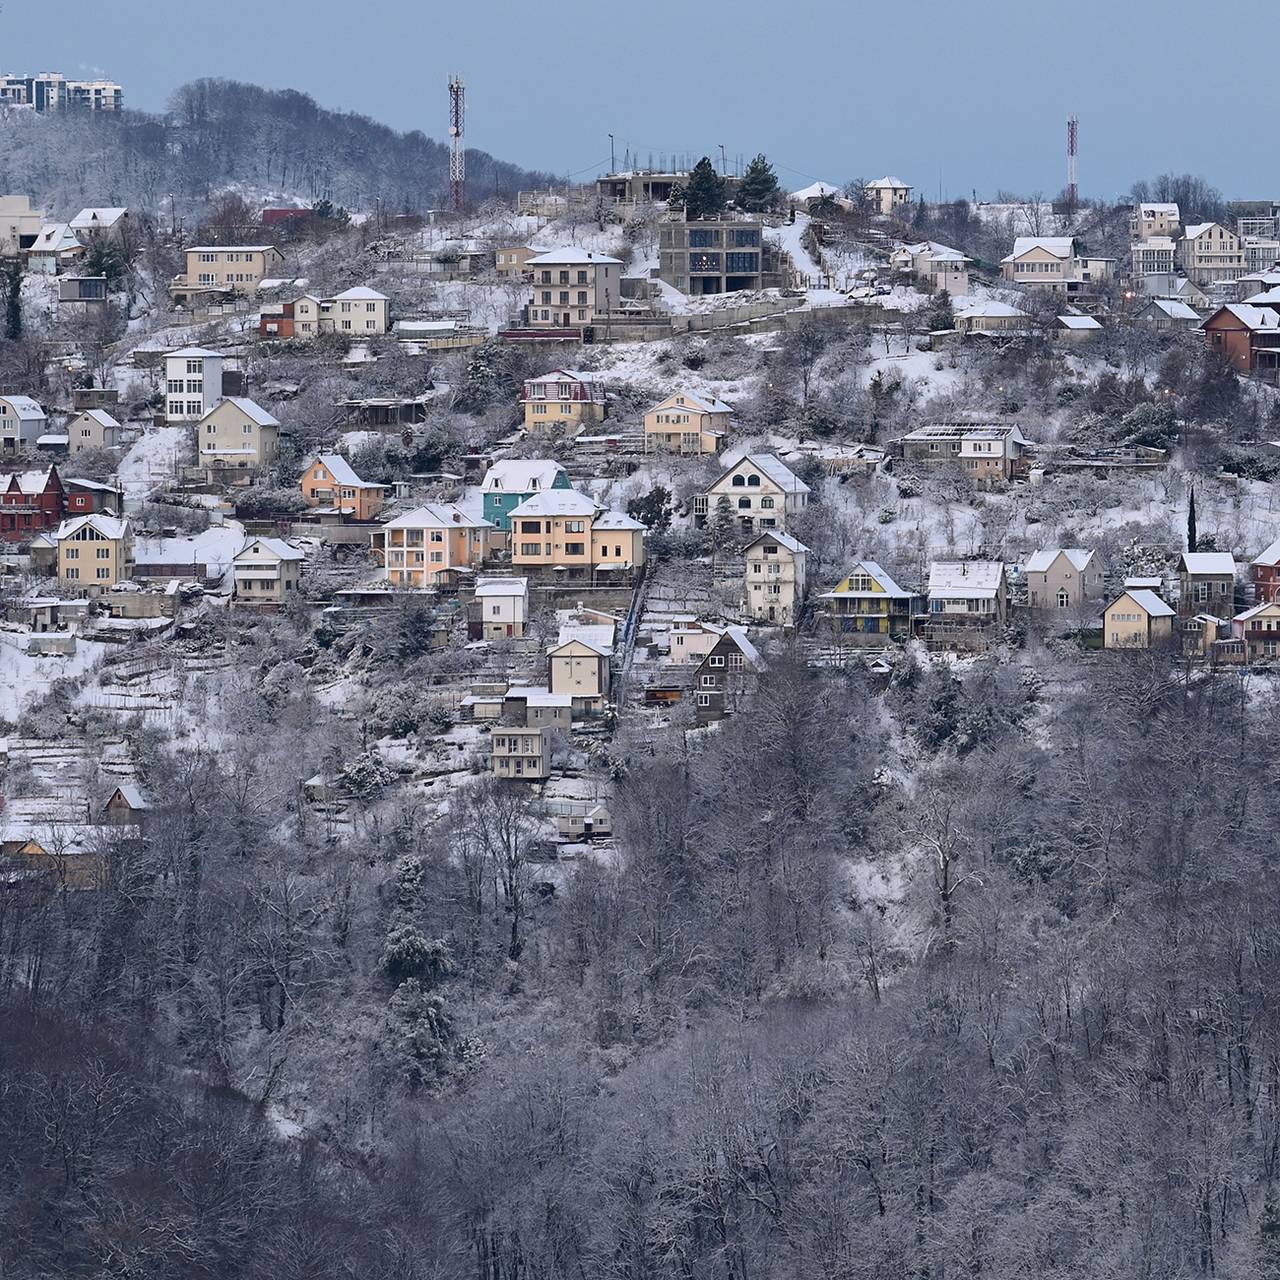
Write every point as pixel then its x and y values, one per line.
pixel 520 475
pixel 965 579
pixel 1043 560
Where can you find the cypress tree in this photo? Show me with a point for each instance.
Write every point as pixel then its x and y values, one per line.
pixel 1191 522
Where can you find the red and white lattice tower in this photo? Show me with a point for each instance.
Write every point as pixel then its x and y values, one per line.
pixel 1073 137
pixel 458 156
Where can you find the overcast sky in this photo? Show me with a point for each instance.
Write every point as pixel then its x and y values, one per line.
pixel 976 97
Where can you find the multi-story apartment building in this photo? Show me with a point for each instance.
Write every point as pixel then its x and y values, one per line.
pixel 571 287
pixel 1155 255
pixel 1054 262
pixel 225 269
pixel 52 91
pixel 20 225
pixel 193 383
pixel 1149 220
pixel 266 572
pixel 1208 252
pixel 986 451
pixel 759 491
pixel 94 552
pixel 567 534
pixel 562 400
pixel 722 254
pixel 431 541
pixel 776 578
pixel 687 423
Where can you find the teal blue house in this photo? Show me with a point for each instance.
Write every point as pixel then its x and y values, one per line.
pixel 508 483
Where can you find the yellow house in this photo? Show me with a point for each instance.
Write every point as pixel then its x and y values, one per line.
pixel 567 533
pixel 227 267
pixel 578 665
pixel 869 603
pixel 95 552
pixel 687 423
pixel 237 433
pixel 1137 619
pixel 511 260
pixel 93 429
pixel 360 311
pixel 563 400
pixel 438 538
pixel 520 753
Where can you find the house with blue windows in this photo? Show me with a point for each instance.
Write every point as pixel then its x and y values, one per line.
pixel 512 481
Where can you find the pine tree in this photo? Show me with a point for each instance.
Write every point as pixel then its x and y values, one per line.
pixel 703 195
pixel 758 191
pixel 1191 523
pixel 13 300
pixel 941 314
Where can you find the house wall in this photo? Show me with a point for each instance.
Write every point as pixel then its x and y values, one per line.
pixel 416 557
pixel 578 671
pixel 230 268
pixel 227 426
pixel 320 489
pixel 94 562
pixel 572 294
pixel 263 580
pixel 86 432
pixel 1126 626
pixel 193 385
pixel 775 585
pixel 1231 339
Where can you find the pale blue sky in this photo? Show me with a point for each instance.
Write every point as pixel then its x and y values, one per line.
pixel 975 96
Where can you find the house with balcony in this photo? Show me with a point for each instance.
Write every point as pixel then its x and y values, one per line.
pixel 1246 336
pixel 267 572
pixel 1156 256
pixel 966 605
pixel 988 453
pixel 571 287
pixel 687 423
pixel 1208 253
pixel 937 265
pixel 1055 263
pixel 563 401
pixel 359 312
pixel 330 482
pixel 1259 630
pixel 759 491
pixel 566 536
pixel 432 545
pixel 775 586
pixel 511 481
pixel 1265 573
pixel 520 753
pixel 219 269
pixel 1206 583
pixel 868 606
pixel 236 435
pixel 720 254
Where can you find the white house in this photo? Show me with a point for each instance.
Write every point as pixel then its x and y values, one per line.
pixel 22 423
pixel 266 572
pixel 193 383
pixel 503 605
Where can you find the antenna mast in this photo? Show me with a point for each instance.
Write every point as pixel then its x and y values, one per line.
pixel 1073 188
pixel 458 156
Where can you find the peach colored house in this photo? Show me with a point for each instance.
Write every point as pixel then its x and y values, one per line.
pixel 566 533
pixel 687 423
pixel 438 538
pixel 330 482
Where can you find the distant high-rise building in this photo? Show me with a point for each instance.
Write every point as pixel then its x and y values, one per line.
pixel 52 91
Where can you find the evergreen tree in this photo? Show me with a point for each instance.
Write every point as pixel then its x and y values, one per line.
pixel 1191 523
pixel 13 300
pixel 654 510
pixel 758 191
pixel 703 195
pixel 941 314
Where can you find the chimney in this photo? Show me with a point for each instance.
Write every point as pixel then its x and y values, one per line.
pixel 457 517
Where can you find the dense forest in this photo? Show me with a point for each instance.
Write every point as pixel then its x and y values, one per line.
pixel 220 134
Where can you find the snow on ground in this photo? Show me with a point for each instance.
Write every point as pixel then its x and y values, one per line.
pixel 154 458
pixel 214 547
pixel 25 679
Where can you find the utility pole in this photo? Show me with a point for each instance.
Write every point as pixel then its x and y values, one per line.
pixel 613 161
pixel 722 165
pixel 458 156
pixel 1073 138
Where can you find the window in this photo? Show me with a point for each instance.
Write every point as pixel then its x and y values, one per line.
pixel 575 548
pixel 738 481
pixel 530 526
pixel 574 526
pixel 708 682
pixel 104 553
pixel 103 574
pixel 715 660
pixel 704 262
pixel 746 263
pixel 744 504
pixel 73 553
pixel 767 503
pixel 704 699
pixel 1064 599
pixel 437 535
pixel 195 366
pixel 753 482
pixel 73 573
pixel 529 548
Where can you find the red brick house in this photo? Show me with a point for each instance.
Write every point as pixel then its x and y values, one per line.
pixel 1265 572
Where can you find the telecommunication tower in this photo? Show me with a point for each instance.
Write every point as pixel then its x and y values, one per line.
pixel 458 156
pixel 1073 187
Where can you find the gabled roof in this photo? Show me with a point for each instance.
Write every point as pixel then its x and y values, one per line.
pixel 1079 322
pixel 360 293
pixel 250 408
pixel 130 795
pixel 1198 229
pixel 1058 246
pixel 1268 297
pixel 1218 563
pixel 703 404
pixel 1253 318
pixel 793 545
pixel 437 515
pixel 1271 556
pixel 596 636
pixel 94 219
pixel 877 575
pixel 771 466
pixel 556 502
pixel 55 237
pixel 567 257
pixel 277 547
pixel 989 308
pixel 101 417
pixel 1147 601
pixel 616 520
pixel 502 587
pixel 194 353
pixel 520 475
pixel 1174 309
pixel 232 248
pixel 1261 607
pixel 1043 560
pixel 566 375
pixel 112 527
pixel 887 181
pixel 1152 209
pixel 738 637
pixel 972 579
pixel 340 469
